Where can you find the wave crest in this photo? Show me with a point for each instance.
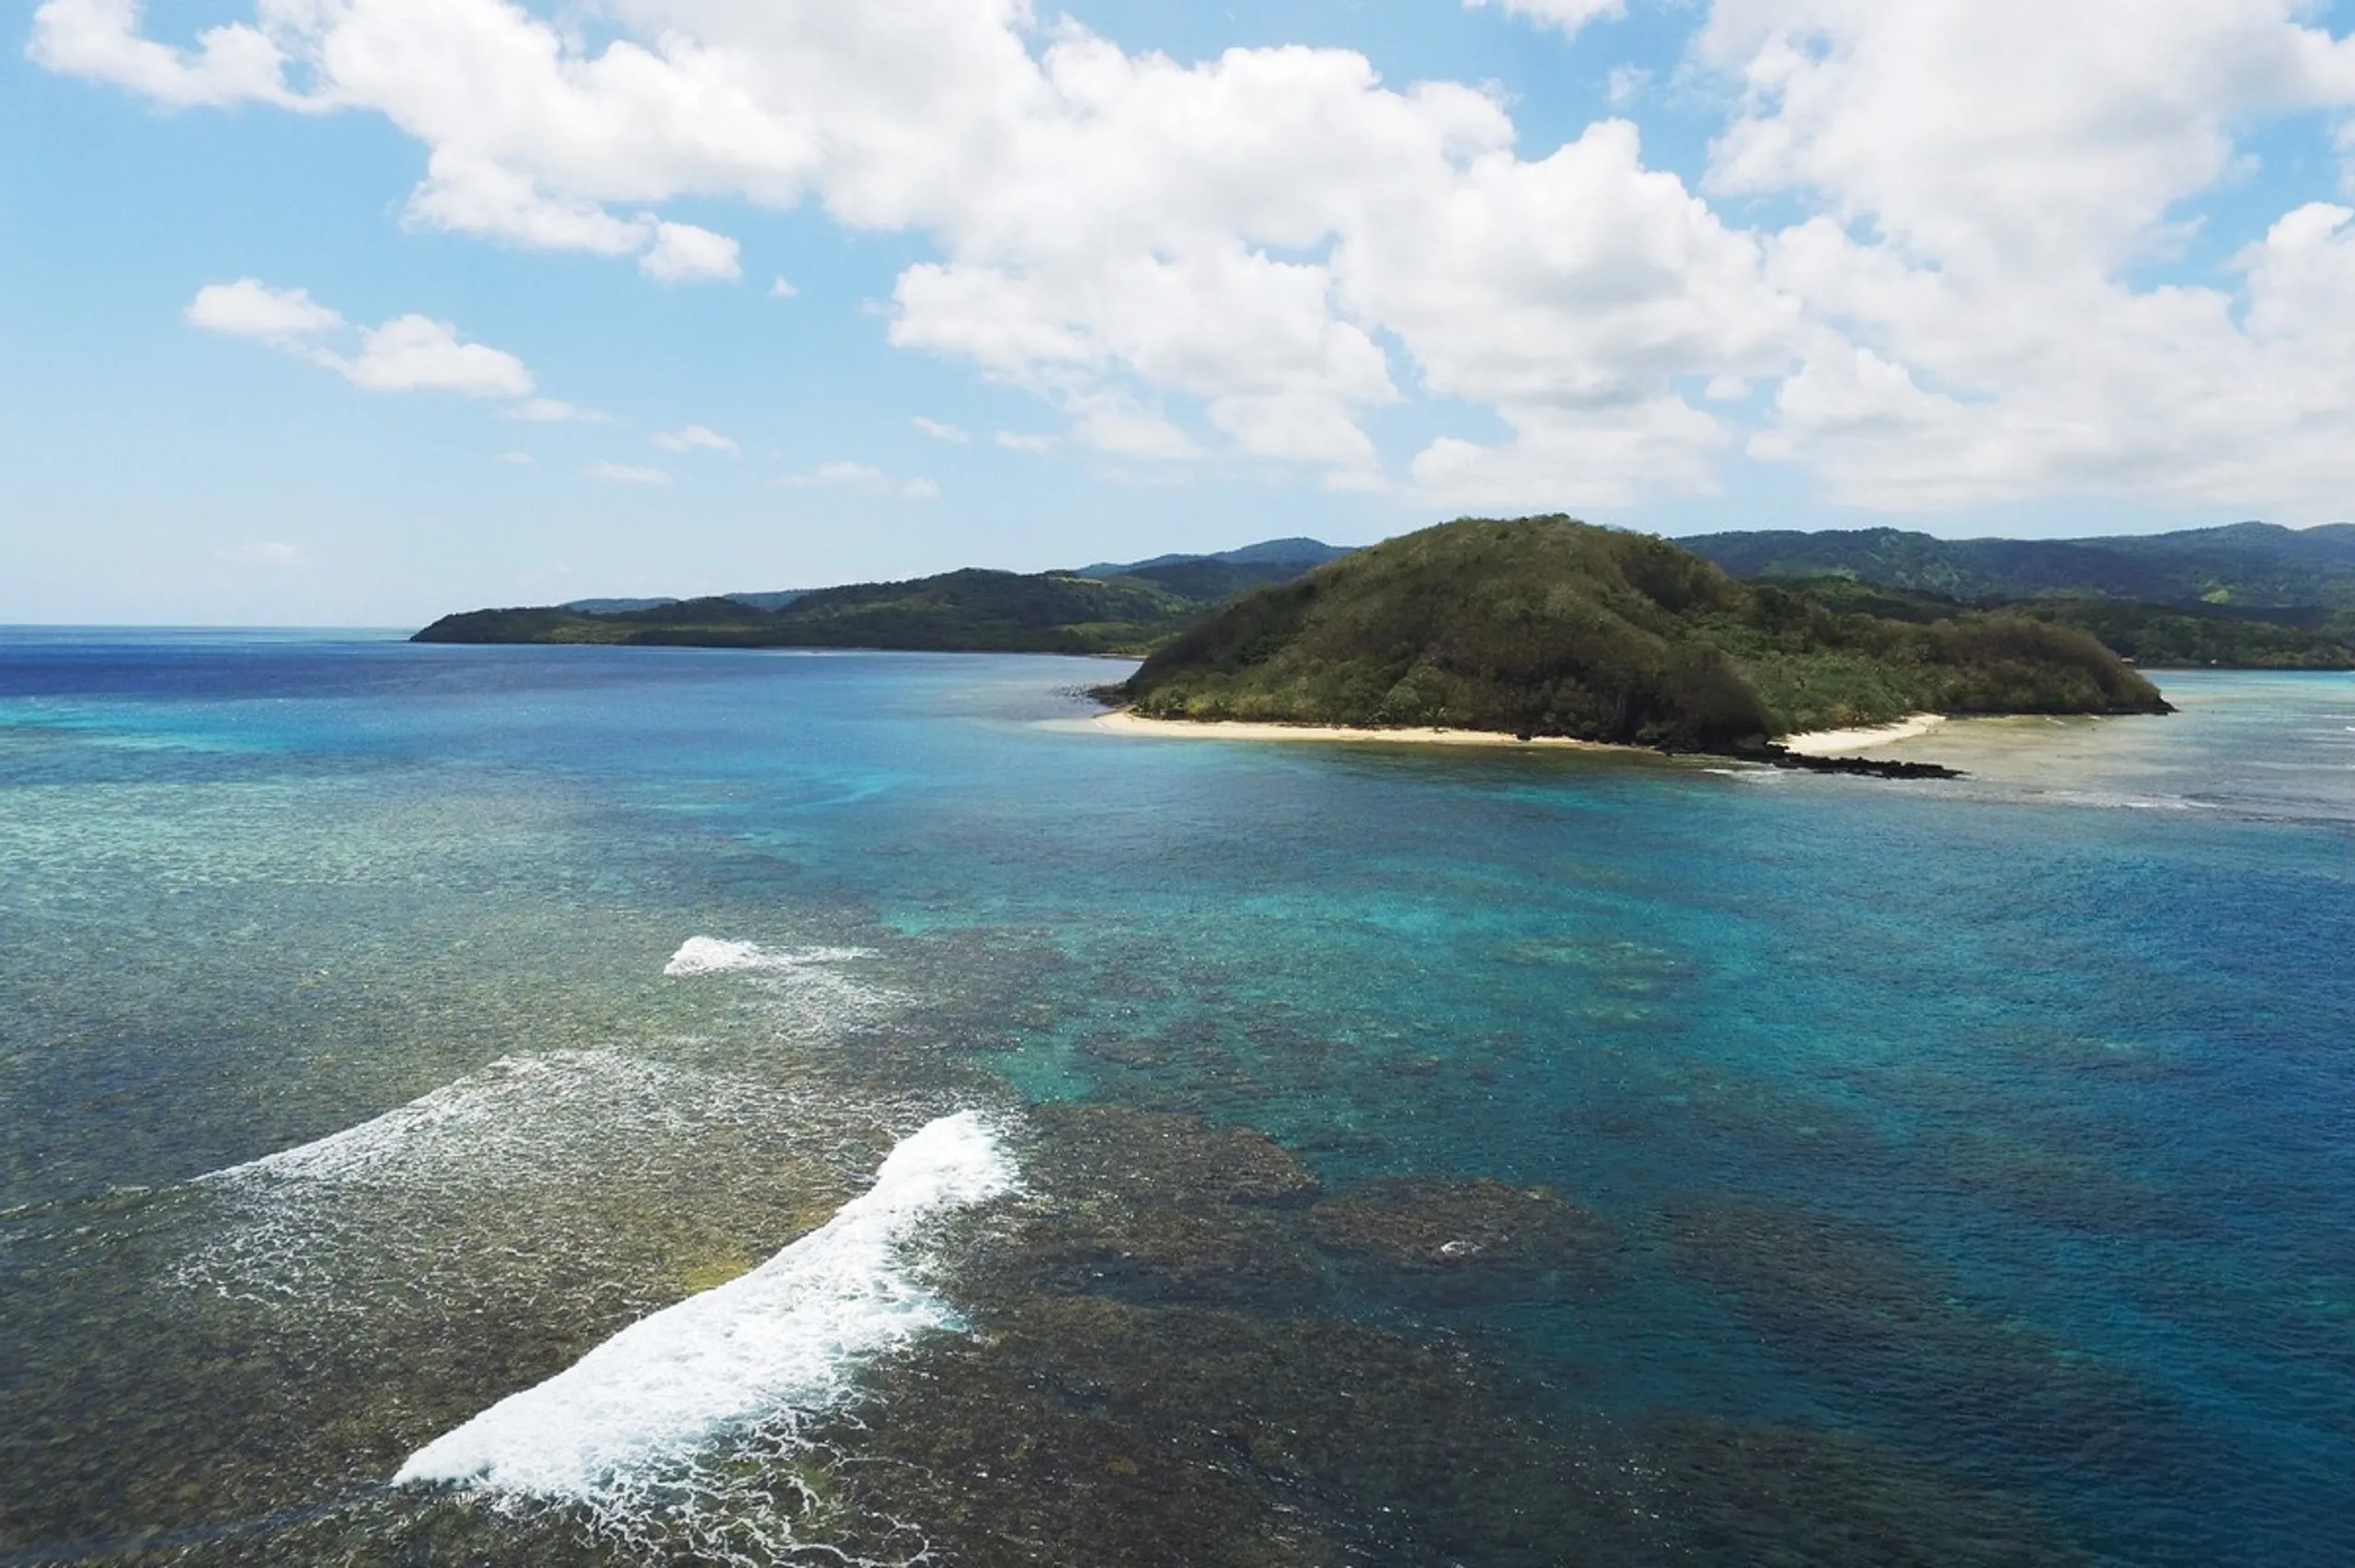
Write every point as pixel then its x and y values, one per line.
pixel 644 1432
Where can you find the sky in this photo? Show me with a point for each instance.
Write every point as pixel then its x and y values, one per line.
pixel 354 312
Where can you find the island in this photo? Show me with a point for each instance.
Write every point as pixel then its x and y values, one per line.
pixel 1108 608
pixel 2247 596
pixel 1546 628
pixel 2252 596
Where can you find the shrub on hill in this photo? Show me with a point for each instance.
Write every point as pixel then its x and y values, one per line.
pixel 1550 626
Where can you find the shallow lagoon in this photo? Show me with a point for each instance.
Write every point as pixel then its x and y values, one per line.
pixel 1836 1170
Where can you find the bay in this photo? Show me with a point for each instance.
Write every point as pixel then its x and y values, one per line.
pixel 1482 1157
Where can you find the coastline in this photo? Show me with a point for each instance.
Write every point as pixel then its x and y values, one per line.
pixel 1814 743
pixel 1121 721
pixel 1843 742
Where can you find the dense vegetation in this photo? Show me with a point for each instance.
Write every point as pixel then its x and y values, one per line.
pixel 2153 636
pixel 1548 626
pixel 1106 609
pixel 2161 637
pixel 2247 563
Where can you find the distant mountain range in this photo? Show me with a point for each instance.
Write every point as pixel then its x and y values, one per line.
pixel 2250 595
pixel 1105 608
pixel 2246 566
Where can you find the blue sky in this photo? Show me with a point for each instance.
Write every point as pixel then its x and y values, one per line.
pixel 1179 275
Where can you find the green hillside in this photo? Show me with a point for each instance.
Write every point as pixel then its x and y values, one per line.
pixel 969 611
pixel 1100 608
pixel 2252 565
pixel 2156 636
pixel 1550 626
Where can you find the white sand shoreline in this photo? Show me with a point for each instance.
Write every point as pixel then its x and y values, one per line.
pixel 1121 721
pixel 1815 743
pixel 1845 742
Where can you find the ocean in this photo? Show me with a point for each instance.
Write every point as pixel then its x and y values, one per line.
pixel 619 1106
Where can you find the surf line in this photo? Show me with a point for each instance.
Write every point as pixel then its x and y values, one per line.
pixel 779 1343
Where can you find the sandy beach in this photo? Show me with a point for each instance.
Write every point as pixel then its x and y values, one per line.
pixel 1845 742
pixel 1123 722
pixel 1816 743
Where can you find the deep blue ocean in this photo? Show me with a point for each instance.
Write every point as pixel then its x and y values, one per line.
pixel 1942 1173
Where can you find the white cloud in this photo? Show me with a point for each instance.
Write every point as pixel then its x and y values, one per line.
pixel 625 474
pixel 1571 15
pixel 781 289
pixel 556 411
pixel 1117 424
pixel 696 438
pixel 1249 256
pixel 251 308
pixel 2012 163
pixel 941 432
pixel 859 476
pixel 100 39
pixel 517 459
pixel 408 353
pixel 2008 131
pixel 413 353
pixel 684 254
pixel 1023 440
pixel 1577 460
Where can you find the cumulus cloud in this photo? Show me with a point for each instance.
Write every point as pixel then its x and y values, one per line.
pixel 251 308
pixel 517 459
pixel 1991 173
pixel 626 474
pixel 684 254
pixel 100 39
pixel 408 353
pixel 415 353
pixel 1249 257
pixel 779 288
pixel 698 438
pixel 940 431
pixel 1025 440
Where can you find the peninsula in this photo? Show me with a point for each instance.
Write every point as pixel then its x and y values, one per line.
pixel 2249 597
pixel 1551 628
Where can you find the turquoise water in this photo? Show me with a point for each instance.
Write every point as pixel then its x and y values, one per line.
pixel 1965 1151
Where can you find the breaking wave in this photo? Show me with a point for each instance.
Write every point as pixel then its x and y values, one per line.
pixel 516 1176
pixel 713 956
pixel 808 982
pixel 655 1431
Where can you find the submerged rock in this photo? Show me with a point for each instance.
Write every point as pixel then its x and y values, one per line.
pixel 1436 1237
pixel 1149 1156
pixel 1082 1430
pixel 1152 1206
pixel 1215 1255
pixel 1868 1313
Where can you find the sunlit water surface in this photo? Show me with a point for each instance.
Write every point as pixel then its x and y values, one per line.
pixel 1937 1174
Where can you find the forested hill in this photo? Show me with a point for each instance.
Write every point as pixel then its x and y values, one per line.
pixel 1550 626
pixel 2247 565
pixel 1099 609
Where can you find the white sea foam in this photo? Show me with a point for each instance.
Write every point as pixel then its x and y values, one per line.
pixel 502 1119
pixel 625 1431
pixel 713 956
pixel 509 1179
